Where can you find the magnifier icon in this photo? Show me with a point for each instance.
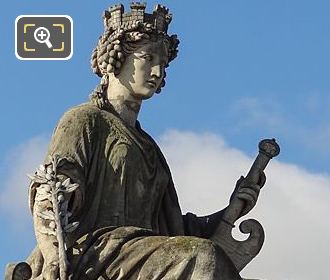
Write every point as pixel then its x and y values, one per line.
pixel 42 35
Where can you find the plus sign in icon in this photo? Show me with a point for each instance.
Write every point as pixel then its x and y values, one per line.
pixel 44 37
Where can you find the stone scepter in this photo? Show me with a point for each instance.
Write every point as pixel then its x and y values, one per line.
pixel 242 252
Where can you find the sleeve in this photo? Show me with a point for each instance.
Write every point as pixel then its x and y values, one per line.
pixel 73 143
pixel 170 216
pixel 203 226
pixel 172 222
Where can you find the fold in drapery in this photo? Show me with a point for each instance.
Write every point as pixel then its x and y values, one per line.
pixel 131 224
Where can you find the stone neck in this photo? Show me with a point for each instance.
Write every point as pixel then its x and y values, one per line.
pixel 127 110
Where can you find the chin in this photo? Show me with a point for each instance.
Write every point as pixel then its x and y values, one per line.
pixel 144 95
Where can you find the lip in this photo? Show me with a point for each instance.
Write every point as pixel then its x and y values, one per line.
pixel 152 83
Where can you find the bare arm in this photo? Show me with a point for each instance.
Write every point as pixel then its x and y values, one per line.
pixel 47 243
pixel 51 196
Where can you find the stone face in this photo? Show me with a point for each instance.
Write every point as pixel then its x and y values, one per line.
pixel 104 202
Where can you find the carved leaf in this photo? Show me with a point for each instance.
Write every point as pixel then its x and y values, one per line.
pixel 66 182
pixel 71 188
pixel 58 186
pixel 30 176
pixel 71 227
pixel 40 180
pixel 37 179
pixel 41 173
pixel 47 215
pixel 47 231
pixel 42 168
pixel 49 169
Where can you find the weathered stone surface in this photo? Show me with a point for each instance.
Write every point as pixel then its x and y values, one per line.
pixel 104 203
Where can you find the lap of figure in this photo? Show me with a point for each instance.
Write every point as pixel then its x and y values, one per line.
pixel 127 253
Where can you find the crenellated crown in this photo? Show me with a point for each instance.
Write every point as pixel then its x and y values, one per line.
pixel 115 18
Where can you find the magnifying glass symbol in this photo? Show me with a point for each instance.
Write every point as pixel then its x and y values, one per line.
pixel 42 35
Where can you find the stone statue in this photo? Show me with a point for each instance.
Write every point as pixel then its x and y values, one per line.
pixel 103 202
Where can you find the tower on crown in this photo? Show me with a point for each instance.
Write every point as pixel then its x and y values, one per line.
pixel 138 9
pixel 162 18
pixel 114 15
pixel 116 19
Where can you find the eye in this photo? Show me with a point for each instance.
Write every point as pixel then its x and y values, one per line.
pixel 148 57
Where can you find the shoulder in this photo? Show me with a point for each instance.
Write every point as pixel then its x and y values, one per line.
pixel 79 120
pixel 79 124
pixel 83 115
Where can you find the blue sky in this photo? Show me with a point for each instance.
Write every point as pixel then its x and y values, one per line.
pixel 246 70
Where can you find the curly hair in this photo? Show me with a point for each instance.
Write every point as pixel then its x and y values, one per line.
pixel 115 45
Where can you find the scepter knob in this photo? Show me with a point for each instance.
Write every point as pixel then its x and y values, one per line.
pixel 269 147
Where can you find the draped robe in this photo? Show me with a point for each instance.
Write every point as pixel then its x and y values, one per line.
pixel 130 221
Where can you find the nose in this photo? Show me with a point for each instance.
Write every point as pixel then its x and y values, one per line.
pixel 156 71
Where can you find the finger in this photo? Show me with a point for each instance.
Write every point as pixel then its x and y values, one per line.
pixel 239 181
pixel 251 189
pixel 237 186
pixel 249 203
pixel 247 197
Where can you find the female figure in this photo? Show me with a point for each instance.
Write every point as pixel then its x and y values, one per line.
pixel 120 217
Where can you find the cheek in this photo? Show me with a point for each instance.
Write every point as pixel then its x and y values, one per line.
pixel 142 70
pixel 140 64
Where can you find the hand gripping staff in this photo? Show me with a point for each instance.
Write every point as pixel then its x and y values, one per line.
pixel 242 252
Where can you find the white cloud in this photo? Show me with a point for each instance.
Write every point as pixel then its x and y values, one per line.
pixel 292 206
pixel 14 192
